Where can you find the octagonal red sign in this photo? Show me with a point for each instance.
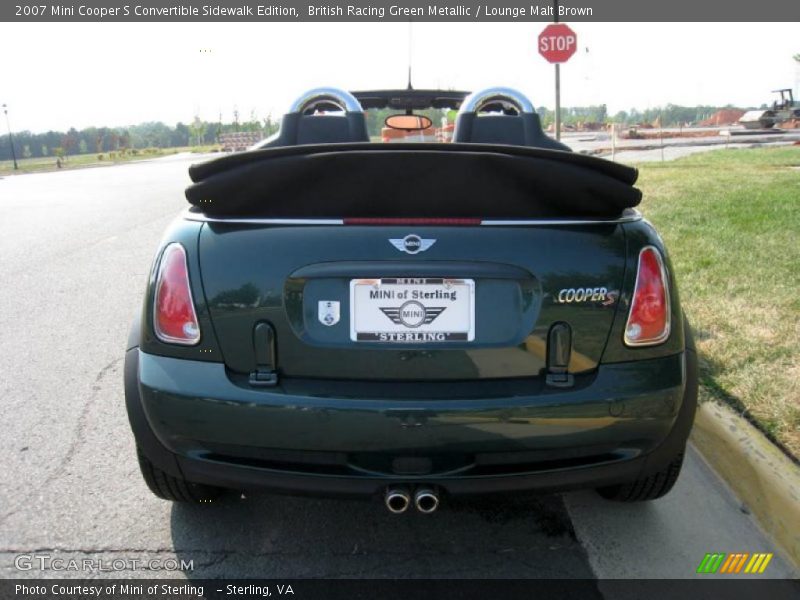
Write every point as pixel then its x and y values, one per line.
pixel 557 43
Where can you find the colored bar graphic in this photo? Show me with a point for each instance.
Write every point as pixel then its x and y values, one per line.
pixel 720 562
pixel 703 564
pixel 753 561
pixel 710 563
pixel 732 560
pixel 741 562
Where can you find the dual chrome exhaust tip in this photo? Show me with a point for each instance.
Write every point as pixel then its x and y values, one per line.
pixel 398 499
pixel 426 500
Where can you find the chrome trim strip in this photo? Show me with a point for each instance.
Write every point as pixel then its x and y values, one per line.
pixel 636 216
pixel 624 219
pixel 204 219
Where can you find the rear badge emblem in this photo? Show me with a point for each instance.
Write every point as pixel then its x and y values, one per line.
pixel 412 244
pixel 412 314
pixel 328 312
pixel 577 295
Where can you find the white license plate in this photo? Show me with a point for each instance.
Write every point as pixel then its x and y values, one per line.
pixel 412 310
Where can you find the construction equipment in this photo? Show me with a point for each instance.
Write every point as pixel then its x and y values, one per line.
pixel 784 110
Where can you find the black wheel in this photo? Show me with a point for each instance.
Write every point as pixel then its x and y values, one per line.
pixel 651 487
pixel 658 484
pixel 167 487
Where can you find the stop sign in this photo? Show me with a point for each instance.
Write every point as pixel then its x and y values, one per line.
pixel 557 43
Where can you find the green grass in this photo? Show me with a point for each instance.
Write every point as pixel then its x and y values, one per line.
pixel 731 222
pixel 79 161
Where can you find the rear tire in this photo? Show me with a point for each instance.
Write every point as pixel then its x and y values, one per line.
pixel 167 487
pixel 651 487
pixel 657 484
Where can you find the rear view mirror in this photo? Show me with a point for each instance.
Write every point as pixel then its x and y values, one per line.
pixel 408 122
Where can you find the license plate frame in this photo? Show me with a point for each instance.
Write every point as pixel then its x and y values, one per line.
pixel 395 314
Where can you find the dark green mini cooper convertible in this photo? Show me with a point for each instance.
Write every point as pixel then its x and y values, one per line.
pixel 411 320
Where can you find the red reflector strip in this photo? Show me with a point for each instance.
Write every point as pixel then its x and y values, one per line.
pixel 453 221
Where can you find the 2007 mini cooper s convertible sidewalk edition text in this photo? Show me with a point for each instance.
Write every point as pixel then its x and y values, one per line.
pixel 455 311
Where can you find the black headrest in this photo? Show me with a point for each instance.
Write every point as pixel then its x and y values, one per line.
pixel 523 129
pixel 330 129
pixel 309 120
pixel 517 124
pixel 297 129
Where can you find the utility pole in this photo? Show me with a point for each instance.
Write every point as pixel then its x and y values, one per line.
pixel 10 138
pixel 558 81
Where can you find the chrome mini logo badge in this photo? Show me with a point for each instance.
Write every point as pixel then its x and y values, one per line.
pixel 412 244
pixel 412 314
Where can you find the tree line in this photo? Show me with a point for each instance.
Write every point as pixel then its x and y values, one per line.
pixel 156 134
pixel 671 115
pixel 100 140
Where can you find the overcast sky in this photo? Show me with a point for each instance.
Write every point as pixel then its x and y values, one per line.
pixel 61 75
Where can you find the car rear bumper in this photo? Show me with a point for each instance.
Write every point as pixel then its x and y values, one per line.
pixel 195 420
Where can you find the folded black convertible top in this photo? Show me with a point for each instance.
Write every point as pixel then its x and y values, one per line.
pixel 367 180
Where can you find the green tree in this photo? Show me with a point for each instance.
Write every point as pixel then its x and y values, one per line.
pixel 197 131
pixel 70 141
pixel 269 126
pixel 180 135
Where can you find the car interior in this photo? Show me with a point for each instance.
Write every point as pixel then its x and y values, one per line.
pixel 491 116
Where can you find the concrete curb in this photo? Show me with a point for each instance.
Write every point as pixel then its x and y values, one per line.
pixel 762 476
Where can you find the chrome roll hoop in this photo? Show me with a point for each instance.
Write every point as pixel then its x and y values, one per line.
pixel 507 97
pixel 326 95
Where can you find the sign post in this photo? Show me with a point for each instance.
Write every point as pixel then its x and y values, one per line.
pixel 557 43
pixel 558 102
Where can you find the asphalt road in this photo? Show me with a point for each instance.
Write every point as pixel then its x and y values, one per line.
pixel 75 248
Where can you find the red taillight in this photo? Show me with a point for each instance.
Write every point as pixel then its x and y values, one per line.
pixel 175 320
pixel 648 321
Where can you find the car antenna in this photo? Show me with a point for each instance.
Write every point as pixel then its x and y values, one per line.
pixel 410 38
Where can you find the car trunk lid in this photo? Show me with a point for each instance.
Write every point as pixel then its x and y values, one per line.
pixel 412 302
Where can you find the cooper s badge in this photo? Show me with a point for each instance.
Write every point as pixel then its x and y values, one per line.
pixel 597 294
pixel 412 244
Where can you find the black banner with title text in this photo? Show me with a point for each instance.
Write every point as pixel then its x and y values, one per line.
pixel 403 10
pixel 397 589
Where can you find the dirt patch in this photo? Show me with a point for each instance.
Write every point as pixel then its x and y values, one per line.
pixel 726 116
